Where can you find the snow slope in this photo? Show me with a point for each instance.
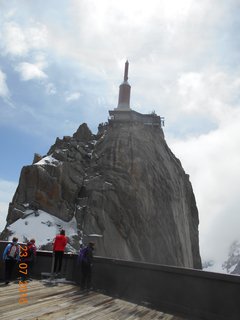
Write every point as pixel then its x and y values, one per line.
pixel 41 226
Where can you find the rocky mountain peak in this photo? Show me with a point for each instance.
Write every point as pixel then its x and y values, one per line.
pixel 83 133
pixel 232 264
pixel 123 187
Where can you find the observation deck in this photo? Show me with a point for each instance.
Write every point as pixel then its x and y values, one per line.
pixel 122 290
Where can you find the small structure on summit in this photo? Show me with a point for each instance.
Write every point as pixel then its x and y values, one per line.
pixel 123 112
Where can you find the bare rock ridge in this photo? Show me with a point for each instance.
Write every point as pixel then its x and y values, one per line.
pixel 124 184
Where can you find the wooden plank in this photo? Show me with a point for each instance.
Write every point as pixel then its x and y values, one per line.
pixel 66 301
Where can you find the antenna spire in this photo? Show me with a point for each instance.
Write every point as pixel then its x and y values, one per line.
pixel 126 71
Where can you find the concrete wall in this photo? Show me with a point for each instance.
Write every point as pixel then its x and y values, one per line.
pixel 191 293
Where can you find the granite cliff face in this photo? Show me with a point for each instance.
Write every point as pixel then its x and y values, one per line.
pixel 124 185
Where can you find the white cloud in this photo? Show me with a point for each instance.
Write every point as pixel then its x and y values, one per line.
pixel 18 40
pixel 29 71
pixel 14 40
pixel 151 33
pixel 213 163
pixel 72 96
pixel 4 91
pixel 209 92
pixel 7 189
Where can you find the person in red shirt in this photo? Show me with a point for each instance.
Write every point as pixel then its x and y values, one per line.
pixel 58 250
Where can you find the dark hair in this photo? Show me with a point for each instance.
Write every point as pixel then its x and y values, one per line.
pixel 14 239
pixel 62 232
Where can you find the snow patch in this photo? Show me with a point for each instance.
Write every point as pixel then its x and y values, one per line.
pixel 95 235
pixel 50 160
pixel 43 228
pixel 230 270
pixel 216 267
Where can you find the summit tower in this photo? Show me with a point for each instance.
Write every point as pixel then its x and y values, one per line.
pixel 123 113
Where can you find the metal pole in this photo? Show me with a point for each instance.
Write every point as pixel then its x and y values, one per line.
pixel 52 268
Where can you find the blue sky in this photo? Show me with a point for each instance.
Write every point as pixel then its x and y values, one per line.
pixel 61 64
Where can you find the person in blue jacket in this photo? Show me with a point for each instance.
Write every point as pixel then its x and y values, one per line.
pixel 10 256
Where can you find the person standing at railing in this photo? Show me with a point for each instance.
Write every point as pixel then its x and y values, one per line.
pixel 85 258
pixel 10 256
pixel 59 245
pixel 29 257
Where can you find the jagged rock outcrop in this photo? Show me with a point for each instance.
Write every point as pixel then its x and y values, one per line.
pixel 232 264
pixel 124 184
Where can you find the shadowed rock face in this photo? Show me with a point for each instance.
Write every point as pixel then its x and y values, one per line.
pixel 124 184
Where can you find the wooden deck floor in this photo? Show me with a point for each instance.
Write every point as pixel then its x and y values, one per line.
pixel 66 301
